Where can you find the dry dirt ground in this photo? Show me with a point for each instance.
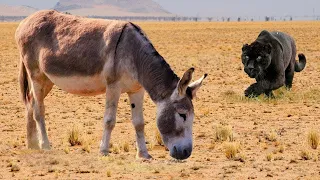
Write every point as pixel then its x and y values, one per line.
pixel 271 134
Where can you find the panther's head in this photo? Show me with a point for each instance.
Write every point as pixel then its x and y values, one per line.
pixel 256 57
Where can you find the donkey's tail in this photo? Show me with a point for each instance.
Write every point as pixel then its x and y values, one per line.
pixel 23 80
pixel 299 66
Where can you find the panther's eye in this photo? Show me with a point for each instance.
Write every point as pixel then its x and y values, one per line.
pixel 183 116
pixel 247 58
pixel 259 58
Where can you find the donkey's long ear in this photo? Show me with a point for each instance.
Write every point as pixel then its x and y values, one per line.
pixel 194 87
pixel 184 82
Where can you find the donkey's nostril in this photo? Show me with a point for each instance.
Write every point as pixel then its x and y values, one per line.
pixel 185 153
pixel 175 149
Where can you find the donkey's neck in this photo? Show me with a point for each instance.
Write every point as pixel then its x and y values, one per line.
pixel 155 74
pixel 150 69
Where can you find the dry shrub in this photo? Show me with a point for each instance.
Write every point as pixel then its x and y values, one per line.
pixel 241 157
pixel 66 150
pixel 313 139
pixel 269 157
pixel 15 168
pixel 150 146
pixel 272 136
pixel 231 149
pixel 108 173
pixel 74 137
pixel 86 148
pixel 224 133
pixel 281 149
pixel 115 149
pixel 125 147
pixel 305 155
pixel 229 93
pixel 279 158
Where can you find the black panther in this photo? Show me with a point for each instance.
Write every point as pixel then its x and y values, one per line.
pixel 270 59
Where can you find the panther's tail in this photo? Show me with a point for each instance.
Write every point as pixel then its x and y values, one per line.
pixel 299 66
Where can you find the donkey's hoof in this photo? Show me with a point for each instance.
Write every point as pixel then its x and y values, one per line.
pixel 144 155
pixel 46 147
pixel 34 146
pixel 104 152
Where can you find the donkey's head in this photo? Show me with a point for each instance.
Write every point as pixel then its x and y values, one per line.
pixel 175 117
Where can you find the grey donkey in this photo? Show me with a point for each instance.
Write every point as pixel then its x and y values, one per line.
pixel 89 57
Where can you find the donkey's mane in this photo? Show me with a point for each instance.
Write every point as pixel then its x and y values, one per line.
pixel 154 73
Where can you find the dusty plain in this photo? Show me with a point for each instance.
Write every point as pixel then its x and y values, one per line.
pixel 271 133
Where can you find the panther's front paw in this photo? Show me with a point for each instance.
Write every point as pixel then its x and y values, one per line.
pixel 251 91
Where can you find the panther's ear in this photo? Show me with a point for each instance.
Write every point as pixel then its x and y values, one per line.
pixel 267 48
pixel 245 47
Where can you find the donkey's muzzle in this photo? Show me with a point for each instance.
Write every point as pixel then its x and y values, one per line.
pixel 181 153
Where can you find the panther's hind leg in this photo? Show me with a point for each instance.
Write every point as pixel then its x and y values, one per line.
pixel 289 76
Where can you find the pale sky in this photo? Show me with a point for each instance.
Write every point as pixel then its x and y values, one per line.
pixel 215 7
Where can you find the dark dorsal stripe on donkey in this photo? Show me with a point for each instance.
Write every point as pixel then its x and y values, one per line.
pixel 89 57
pixel 270 59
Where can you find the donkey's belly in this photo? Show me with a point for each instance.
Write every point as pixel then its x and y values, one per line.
pixel 81 85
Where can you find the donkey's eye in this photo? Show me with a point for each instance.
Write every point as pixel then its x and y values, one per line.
pixel 183 116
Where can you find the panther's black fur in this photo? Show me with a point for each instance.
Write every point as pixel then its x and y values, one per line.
pixel 270 59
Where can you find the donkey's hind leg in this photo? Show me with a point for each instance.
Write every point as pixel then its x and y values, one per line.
pixel 136 100
pixel 32 134
pixel 36 128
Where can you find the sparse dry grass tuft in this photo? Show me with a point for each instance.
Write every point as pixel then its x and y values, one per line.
pixel 108 173
pixel 231 149
pixel 125 147
pixel 269 157
pixel 241 157
pixel 86 148
pixel 74 137
pixel 313 139
pixel 66 150
pixel 150 146
pixel 272 136
pixel 305 155
pixel 115 149
pixel 224 133
pixel 15 168
pixel 281 149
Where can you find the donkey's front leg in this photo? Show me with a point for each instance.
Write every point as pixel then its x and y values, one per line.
pixel 136 100
pixel 112 97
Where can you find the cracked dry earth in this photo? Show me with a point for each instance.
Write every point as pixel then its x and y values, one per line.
pixel 270 134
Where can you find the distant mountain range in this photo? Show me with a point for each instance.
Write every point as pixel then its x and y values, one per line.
pixel 6 10
pixel 95 8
